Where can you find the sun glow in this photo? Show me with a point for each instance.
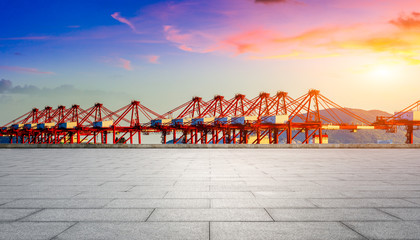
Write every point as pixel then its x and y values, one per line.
pixel 384 72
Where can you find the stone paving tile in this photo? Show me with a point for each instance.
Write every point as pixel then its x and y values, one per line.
pixel 56 215
pixel 344 183
pixel 44 194
pixel 383 194
pixel 206 215
pixel 109 193
pixel 15 214
pixel 295 182
pixel 31 230
pixel 140 182
pixel 404 213
pixel 387 230
pixel 208 183
pixel 68 183
pixel 209 195
pixel 57 203
pixel 144 230
pixel 159 203
pixel 336 214
pixel 151 194
pixel 387 188
pixel 200 188
pixel 361 203
pixel 248 188
pixel 65 188
pixel 414 200
pixel 5 200
pixel 280 230
pixel 323 194
pixel 261 203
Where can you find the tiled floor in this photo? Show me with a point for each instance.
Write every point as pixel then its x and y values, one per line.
pixel 210 194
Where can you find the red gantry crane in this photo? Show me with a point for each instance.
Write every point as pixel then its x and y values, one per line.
pixel 239 120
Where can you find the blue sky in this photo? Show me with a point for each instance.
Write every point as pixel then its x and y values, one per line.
pixel 361 54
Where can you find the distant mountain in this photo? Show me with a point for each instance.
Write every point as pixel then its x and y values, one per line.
pixel 362 136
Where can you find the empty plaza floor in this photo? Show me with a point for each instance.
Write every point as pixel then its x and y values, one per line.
pixel 210 194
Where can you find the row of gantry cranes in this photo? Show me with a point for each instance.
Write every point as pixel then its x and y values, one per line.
pixel 264 119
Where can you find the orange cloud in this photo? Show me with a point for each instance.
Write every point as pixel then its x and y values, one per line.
pixel 402 43
pixel 255 42
pixel 407 21
pixel 295 55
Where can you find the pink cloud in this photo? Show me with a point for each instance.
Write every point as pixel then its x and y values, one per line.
pixel 146 41
pixel 276 1
pixel 185 48
pixel 121 19
pixel 193 41
pixel 153 59
pixel 276 29
pixel 24 70
pixel 27 38
pixel 118 62
pixel 124 63
pixel 172 34
pixel 249 41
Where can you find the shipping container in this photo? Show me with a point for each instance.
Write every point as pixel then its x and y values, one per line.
pixel 197 121
pixel 278 119
pixel 103 124
pixel 17 126
pixel 411 116
pixel 30 126
pixel 324 139
pixel 223 120
pixel 331 127
pixel 67 125
pixel 252 138
pixel 365 127
pixel 181 121
pixel 243 120
pixel 45 125
pixel 159 122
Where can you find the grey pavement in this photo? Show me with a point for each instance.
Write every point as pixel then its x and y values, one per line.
pixel 210 194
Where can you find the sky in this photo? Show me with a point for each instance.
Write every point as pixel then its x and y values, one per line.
pixel 361 53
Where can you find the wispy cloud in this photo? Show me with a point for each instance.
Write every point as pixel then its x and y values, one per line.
pixel 193 41
pixel 124 63
pixel 28 38
pixel 24 70
pixel 153 59
pixel 118 62
pixel 117 16
pixel 271 1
